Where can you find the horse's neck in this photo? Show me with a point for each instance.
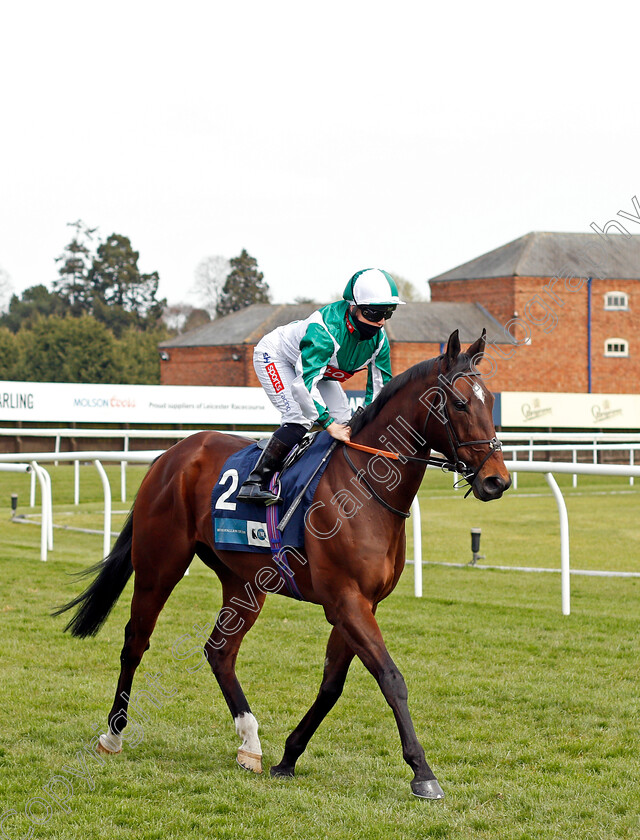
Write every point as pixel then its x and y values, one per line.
pixel 399 427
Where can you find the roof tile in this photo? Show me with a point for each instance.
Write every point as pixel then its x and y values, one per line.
pixel 544 254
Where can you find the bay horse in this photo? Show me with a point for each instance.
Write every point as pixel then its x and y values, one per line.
pixel 353 555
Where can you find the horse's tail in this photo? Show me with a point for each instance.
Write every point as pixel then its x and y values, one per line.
pixel 98 599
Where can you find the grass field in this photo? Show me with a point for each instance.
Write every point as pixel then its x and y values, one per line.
pixel 530 719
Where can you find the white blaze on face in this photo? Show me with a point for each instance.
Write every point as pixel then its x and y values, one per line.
pixel 477 390
pixel 247 729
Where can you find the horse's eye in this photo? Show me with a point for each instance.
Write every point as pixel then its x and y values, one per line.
pixel 460 405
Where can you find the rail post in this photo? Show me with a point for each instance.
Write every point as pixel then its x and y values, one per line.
pixel 417 548
pixel 106 539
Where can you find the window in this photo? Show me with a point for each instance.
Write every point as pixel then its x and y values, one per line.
pixel 616 300
pixel 616 347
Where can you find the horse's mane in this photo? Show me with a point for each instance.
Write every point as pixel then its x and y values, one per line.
pixel 418 371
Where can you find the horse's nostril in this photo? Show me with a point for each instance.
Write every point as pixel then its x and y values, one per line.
pixel 496 483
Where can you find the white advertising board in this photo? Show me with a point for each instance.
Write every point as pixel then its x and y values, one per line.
pixel 58 402
pixel 585 411
pixel 62 402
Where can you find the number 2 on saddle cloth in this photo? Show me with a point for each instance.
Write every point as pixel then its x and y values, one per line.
pixel 239 526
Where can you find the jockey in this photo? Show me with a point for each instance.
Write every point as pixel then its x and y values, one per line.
pixel 300 365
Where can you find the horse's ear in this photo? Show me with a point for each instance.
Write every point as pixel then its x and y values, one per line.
pixel 453 349
pixel 476 351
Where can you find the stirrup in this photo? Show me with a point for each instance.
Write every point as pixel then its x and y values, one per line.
pixel 275 489
pixel 253 493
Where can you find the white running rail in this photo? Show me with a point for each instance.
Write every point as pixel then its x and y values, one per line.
pixel 546 468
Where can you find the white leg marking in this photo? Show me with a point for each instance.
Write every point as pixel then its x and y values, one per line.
pixel 111 742
pixel 247 729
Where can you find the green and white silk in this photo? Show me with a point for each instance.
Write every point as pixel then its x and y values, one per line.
pixel 327 346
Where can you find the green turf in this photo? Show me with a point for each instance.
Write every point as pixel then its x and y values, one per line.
pixel 530 719
pixel 523 529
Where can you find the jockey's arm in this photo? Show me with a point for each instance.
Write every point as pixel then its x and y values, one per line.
pixel 316 351
pixel 379 372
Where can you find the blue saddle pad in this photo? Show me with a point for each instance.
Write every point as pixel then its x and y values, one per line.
pixel 238 526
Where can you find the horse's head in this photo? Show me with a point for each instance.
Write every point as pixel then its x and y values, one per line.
pixel 460 420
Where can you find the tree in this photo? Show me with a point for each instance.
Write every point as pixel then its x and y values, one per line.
pixel 8 354
pixel 116 318
pixel 244 285
pixel 407 290
pixel 138 353
pixel 197 318
pixel 182 317
pixel 73 284
pixel 117 282
pixel 36 302
pixel 68 349
pixel 211 274
pixel 6 288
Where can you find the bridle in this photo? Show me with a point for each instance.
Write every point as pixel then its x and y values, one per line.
pixel 451 464
pixel 455 464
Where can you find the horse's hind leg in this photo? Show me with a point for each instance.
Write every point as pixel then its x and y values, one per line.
pixel 158 568
pixel 336 666
pixel 242 603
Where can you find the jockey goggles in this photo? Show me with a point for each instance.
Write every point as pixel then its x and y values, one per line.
pixel 377 313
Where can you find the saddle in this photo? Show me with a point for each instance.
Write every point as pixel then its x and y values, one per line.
pixel 241 526
pixel 296 453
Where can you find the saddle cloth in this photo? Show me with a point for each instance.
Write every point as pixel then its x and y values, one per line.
pixel 239 526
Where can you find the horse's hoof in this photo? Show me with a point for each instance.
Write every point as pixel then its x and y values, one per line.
pixel 427 790
pixel 108 745
pixel 249 761
pixel 102 749
pixel 280 772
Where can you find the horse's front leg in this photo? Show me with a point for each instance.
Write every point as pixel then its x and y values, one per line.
pixel 354 617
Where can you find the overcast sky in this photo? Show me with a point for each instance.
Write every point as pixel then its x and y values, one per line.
pixel 322 137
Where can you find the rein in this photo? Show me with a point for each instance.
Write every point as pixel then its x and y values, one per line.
pixel 447 466
pixel 368 485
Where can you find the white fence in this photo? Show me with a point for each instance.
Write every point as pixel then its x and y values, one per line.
pixel 594 448
pixel 513 442
pixel 125 435
pixel 46 525
pixel 547 468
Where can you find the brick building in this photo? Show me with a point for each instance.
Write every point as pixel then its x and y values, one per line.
pixel 570 301
pixel 221 352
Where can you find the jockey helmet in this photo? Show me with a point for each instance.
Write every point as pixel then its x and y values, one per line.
pixel 372 286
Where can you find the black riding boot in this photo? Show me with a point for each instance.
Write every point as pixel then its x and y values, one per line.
pixel 256 487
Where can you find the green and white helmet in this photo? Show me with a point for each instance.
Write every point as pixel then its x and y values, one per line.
pixel 372 287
